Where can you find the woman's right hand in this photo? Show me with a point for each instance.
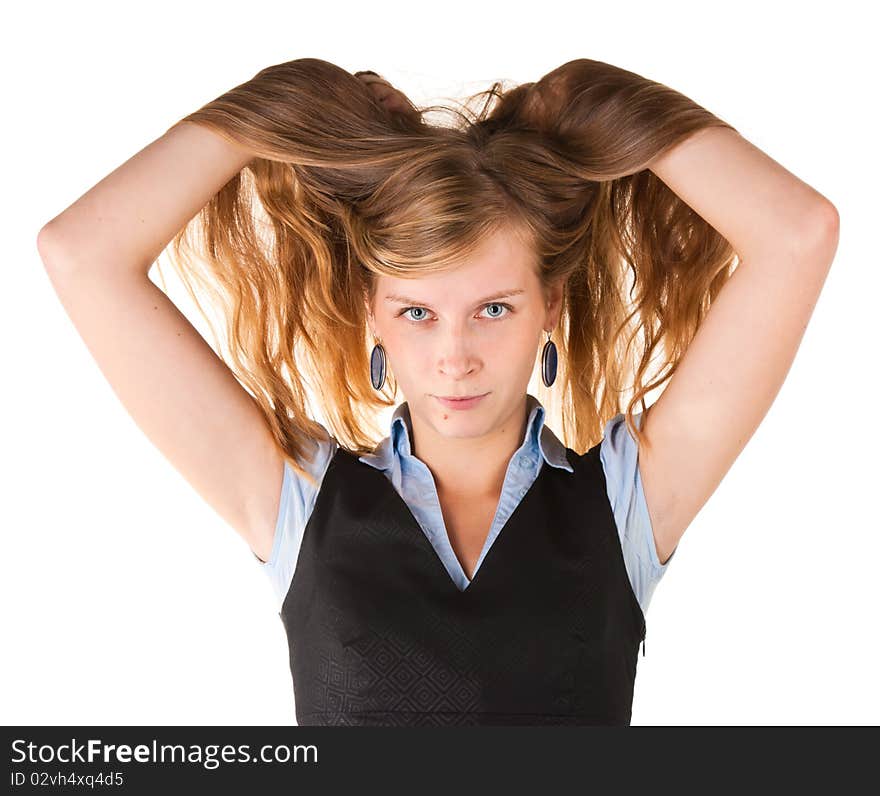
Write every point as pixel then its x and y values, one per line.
pixel 389 97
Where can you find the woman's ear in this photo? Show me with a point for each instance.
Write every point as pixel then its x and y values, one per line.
pixel 555 293
pixel 371 321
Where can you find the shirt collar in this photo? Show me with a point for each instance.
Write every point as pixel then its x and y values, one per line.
pixel 537 435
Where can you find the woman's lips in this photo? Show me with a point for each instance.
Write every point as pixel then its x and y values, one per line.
pixel 461 403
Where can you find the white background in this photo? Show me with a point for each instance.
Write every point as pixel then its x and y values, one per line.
pixel 127 600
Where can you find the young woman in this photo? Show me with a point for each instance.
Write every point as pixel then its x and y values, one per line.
pixel 472 567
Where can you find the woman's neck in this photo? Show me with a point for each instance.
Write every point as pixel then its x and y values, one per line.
pixel 469 467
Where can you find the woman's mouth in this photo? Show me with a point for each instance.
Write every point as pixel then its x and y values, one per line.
pixel 460 403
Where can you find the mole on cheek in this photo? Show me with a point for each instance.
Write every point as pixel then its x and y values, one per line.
pixel 446 417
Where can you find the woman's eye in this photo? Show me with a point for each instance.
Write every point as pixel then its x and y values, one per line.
pixel 496 304
pixel 417 320
pixel 421 311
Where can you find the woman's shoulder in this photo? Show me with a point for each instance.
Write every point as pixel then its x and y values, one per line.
pixel 619 454
pixel 299 491
pixel 295 505
pixel 318 458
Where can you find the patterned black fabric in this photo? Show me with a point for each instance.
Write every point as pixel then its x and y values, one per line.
pixel 547 632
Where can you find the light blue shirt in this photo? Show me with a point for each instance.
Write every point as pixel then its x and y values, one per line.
pixel 412 479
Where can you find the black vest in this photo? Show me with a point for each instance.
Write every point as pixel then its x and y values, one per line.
pixel 547 631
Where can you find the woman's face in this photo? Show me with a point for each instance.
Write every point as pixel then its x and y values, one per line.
pixel 455 334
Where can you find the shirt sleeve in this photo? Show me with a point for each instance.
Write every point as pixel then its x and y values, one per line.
pixel 620 458
pixel 294 509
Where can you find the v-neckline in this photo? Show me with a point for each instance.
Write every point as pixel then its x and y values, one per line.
pixel 423 539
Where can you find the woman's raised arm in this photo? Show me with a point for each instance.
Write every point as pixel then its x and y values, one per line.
pixel 97 254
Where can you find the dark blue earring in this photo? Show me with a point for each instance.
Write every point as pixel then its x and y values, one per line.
pixel 377 366
pixel 549 360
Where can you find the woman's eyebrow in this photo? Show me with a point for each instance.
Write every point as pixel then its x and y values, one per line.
pixel 493 297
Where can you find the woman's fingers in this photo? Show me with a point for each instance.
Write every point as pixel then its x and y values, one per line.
pixel 380 87
pixel 388 96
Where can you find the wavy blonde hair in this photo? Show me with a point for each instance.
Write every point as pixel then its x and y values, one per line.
pixel 341 189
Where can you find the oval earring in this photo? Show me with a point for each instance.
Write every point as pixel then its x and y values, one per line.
pixel 377 366
pixel 549 361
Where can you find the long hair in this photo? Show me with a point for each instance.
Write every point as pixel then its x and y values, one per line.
pixel 341 189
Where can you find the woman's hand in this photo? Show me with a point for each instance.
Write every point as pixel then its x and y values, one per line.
pixel 388 96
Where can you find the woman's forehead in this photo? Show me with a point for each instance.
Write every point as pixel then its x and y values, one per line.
pixel 501 262
pixel 464 283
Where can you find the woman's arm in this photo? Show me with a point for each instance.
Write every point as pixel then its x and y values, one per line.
pixel 785 234
pixel 752 200
pixel 97 254
pixel 130 216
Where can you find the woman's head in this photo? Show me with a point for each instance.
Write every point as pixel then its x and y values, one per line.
pixel 469 330
pixel 544 189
